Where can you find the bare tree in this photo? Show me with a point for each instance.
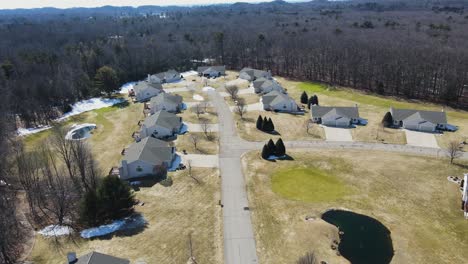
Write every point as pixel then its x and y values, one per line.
pixel 63 147
pixel 204 104
pixel 453 150
pixel 309 124
pixel 197 110
pixel 241 107
pixel 233 91
pixel 206 127
pixel 86 165
pixel 309 258
pixel 194 138
pixel 190 171
pixel 11 230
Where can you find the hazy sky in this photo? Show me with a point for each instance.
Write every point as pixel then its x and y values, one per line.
pixel 9 4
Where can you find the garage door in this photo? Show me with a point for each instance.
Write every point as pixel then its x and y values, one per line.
pixel 343 122
pixel 411 126
pixel 329 122
pixel 427 127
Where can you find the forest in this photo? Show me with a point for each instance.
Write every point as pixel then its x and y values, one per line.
pixel 51 58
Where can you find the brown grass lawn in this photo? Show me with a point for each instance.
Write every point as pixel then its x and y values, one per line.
pixel 249 99
pixel 172 214
pixel 189 116
pixel 410 195
pixel 289 127
pixel 204 146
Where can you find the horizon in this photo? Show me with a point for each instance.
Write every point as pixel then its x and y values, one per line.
pixel 67 4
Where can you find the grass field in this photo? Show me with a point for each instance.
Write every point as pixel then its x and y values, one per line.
pixel 172 214
pixel 289 127
pixel 189 116
pixel 410 195
pixel 204 146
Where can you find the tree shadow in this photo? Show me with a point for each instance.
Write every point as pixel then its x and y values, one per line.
pixel 463 166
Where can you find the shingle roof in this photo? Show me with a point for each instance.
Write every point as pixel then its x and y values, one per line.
pixel 201 69
pixel 274 97
pixel 254 73
pixel 320 111
pixel 144 84
pixel 166 75
pixel 435 117
pixel 163 119
pixel 99 258
pixel 149 149
pixel 166 97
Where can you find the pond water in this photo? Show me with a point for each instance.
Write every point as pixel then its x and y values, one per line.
pixel 364 240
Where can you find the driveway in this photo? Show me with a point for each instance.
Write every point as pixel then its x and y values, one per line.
pixel 191 127
pixel 202 161
pixel 421 139
pixel 251 107
pixel 177 90
pixel 249 90
pixel 338 134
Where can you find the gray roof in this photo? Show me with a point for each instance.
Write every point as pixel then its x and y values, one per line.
pixel 320 111
pixel 254 72
pixel 166 97
pixel 435 117
pixel 201 69
pixel 99 258
pixel 170 74
pixel 149 149
pixel 144 84
pixel 274 97
pixel 258 83
pixel 164 119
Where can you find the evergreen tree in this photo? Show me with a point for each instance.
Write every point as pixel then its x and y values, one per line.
pixel 271 126
pixel 309 103
pixel 387 120
pixel 89 209
pixel 106 80
pixel 265 124
pixel 260 123
pixel 316 101
pixel 265 152
pixel 304 98
pixel 271 147
pixel 280 148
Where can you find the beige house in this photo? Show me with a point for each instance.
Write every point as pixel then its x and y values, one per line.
pixel 145 90
pixel 162 125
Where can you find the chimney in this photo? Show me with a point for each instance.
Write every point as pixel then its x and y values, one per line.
pixel 71 257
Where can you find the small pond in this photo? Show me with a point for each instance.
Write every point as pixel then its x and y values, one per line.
pixel 79 132
pixel 364 239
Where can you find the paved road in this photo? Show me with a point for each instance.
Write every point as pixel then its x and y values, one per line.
pixel 239 240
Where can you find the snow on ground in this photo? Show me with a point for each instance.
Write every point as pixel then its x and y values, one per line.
pixel 90 104
pixel 189 73
pixel 126 87
pixel 208 89
pixel 55 230
pixel 81 131
pixel 198 97
pixel 29 131
pixel 123 224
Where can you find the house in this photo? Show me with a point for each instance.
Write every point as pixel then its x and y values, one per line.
pixel 279 102
pixel 335 116
pixel 264 85
pixel 253 74
pixel 164 77
pixel 167 102
pixel 425 121
pixel 211 71
pixel 143 157
pixel 145 90
pixel 161 125
pixel 95 258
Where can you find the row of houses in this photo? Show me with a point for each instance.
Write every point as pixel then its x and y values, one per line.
pixel 275 98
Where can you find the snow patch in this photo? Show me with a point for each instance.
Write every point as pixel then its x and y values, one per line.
pixel 55 230
pixel 89 105
pixel 125 89
pixel 198 97
pixel 273 157
pixel 131 222
pixel 189 73
pixel 29 131
pixel 208 89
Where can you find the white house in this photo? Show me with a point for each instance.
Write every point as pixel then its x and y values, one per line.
pixel 335 116
pixel 264 86
pixel 145 90
pixel 279 102
pixel 211 71
pixel 142 158
pixel 164 77
pixel 167 102
pixel 253 74
pixel 426 121
pixel 161 125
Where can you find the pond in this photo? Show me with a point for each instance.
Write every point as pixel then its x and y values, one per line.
pixel 364 239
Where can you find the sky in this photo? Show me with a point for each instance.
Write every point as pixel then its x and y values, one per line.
pixel 8 4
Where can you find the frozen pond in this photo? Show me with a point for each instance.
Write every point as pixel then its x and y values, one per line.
pixel 82 131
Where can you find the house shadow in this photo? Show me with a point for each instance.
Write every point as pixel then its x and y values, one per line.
pixel 146 181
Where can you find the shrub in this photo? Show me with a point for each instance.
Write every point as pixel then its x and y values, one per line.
pixel 265 152
pixel 167 182
pixel 259 122
pixel 304 97
pixel 280 148
pixel 271 147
